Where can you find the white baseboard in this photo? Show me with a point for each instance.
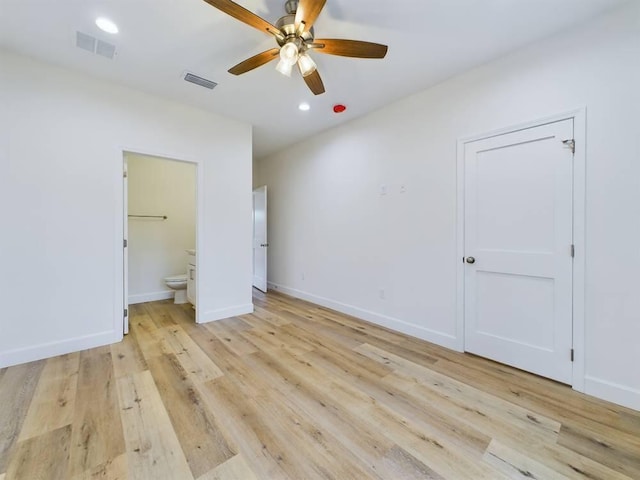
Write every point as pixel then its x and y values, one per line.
pixel 150 297
pixel 433 336
pixel 47 350
pixel 612 392
pixel 213 315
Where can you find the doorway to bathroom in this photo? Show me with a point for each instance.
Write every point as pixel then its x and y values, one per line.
pixel 160 226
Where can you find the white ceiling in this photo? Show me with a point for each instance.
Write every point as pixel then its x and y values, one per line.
pixel 429 41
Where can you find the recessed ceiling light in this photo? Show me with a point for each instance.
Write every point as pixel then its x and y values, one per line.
pixel 305 107
pixel 106 25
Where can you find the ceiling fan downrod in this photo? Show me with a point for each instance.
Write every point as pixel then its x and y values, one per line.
pixel 291 7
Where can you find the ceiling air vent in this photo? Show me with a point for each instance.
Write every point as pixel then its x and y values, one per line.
pixel 203 82
pixel 105 49
pixel 93 45
pixel 85 42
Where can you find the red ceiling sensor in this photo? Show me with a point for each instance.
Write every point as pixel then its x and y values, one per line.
pixel 339 108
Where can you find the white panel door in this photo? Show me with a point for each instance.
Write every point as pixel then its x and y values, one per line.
pixel 518 237
pixel 260 244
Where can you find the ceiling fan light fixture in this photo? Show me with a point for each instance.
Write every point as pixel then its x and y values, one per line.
pixel 290 51
pixel 284 68
pixel 306 64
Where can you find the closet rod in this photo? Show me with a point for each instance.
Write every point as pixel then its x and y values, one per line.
pixel 163 217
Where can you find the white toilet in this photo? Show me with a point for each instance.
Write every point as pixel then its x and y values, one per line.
pixel 179 284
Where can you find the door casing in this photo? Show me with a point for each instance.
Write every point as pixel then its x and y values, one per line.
pixel 122 293
pixel 579 216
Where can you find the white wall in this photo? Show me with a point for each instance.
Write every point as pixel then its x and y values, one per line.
pixel 62 137
pixel 159 186
pixel 328 222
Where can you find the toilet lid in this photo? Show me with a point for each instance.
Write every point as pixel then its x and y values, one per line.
pixel 177 278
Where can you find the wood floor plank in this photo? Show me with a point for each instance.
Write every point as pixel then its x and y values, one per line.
pixel 193 360
pixel 518 465
pixel 325 456
pixel 276 340
pixel 232 365
pixel 547 462
pixel 621 453
pixel 571 464
pixel 127 357
pixel 235 468
pixel 244 426
pixel 347 359
pixel 196 427
pixel 153 449
pixel 325 328
pixel 45 456
pixel 398 463
pixel 53 403
pixel 17 387
pixel 97 431
pixel 113 469
pixel 496 416
pixel 228 332
pixel 161 313
pixel 148 337
pixel 275 319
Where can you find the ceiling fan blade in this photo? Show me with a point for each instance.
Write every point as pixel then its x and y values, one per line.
pixel 255 61
pixel 306 14
pixel 349 48
pixel 314 82
pixel 244 15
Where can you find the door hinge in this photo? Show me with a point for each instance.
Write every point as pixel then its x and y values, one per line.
pixel 571 143
pixel 125 243
pixel 572 354
pixel 124 174
pixel 573 251
pixel 126 312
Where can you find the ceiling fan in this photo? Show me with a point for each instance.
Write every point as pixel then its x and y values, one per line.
pixel 295 36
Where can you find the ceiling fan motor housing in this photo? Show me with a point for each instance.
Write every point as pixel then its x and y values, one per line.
pixel 287 26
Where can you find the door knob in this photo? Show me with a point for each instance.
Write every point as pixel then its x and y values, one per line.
pixel 264 244
pixel 471 260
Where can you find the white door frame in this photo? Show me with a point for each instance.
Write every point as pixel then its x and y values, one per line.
pixel 579 219
pixel 125 235
pixel 122 214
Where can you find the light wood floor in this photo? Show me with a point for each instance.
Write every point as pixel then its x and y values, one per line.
pixel 300 392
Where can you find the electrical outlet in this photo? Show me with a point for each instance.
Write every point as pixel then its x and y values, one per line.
pixel 383 189
pixel 403 188
pixel 302 276
pixel 381 293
